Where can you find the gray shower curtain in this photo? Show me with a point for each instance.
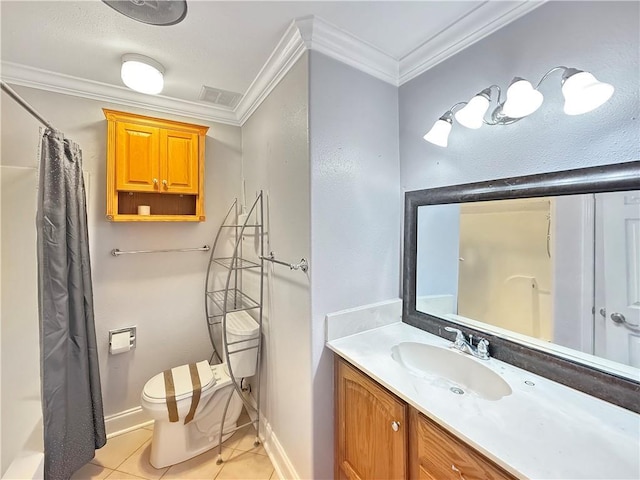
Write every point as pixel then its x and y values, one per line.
pixel 71 395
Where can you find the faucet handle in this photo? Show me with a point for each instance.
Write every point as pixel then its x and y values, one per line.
pixel 483 348
pixel 458 332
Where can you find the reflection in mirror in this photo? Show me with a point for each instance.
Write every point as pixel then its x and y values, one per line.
pixel 563 270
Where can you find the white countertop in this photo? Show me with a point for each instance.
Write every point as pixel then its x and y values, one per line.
pixel 546 431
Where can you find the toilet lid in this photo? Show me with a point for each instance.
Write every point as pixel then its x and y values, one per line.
pixel 154 389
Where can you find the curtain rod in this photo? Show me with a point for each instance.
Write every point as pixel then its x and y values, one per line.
pixel 12 93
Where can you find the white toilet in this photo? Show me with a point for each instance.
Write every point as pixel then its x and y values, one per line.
pixel 174 441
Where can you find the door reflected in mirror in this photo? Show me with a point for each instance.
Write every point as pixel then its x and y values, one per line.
pixel 564 270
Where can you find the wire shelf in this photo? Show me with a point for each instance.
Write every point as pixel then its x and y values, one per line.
pixel 235 263
pixel 240 225
pixel 236 302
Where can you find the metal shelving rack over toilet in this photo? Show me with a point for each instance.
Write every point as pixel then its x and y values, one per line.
pixel 224 294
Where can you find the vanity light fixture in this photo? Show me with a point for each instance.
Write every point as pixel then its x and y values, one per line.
pixel 142 74
pixel 472 113
pixel 439 133
pixel 581 90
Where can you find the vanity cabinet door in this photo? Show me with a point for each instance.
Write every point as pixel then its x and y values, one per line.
pixel 437 455
pixel 371 430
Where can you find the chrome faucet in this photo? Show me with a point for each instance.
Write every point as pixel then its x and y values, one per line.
pixel 481 351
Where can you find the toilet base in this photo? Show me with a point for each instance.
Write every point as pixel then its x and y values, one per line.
pixel 172 443
pixel 175 442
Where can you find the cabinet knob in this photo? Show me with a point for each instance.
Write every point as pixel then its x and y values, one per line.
pixel 155 182
pixel 164 184
pixel 457 470
pixel 395 426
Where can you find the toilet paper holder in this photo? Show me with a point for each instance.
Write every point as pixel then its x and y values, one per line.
pixel 132 335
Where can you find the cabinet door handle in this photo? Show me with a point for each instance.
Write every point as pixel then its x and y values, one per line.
pixel 457 470
pixel 164 184
pixel 395 426
pixel 155 181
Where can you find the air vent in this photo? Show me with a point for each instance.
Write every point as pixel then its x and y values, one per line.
pixel 220 97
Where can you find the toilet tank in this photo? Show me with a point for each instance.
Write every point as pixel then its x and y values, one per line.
pixel 241 327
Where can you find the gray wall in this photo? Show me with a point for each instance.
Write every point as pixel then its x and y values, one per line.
pixel 275 146
pixel 600 37
pixel 355 214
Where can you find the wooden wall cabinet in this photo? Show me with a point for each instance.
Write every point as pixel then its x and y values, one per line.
pixel 154 162
pixel 378 436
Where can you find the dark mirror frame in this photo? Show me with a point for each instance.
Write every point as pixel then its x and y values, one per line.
pixel 607 386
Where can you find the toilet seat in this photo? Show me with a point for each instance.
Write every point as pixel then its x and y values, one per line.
pixel 155 392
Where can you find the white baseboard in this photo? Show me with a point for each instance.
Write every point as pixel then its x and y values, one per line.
pixel 277 455
pixel 126 421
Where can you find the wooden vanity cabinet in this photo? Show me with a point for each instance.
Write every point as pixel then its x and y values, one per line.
pixel 371 428
pixel 378 436
pixel 154 162
pixel 435 454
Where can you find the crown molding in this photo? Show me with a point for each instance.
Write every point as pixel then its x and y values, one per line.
pixel 480 22
pixel 289 49
pixel 25 76
pixel 321 36
pixel 313 33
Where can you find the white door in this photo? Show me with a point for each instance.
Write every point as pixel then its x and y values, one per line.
pixel 619 310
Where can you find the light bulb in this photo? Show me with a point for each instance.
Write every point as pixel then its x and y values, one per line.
pixel 142 74
pixel 583 92
pixel 522 99
pixel 439 133
pixel 472 114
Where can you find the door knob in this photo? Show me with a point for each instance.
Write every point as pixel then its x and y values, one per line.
pixel 619 319
pixel 395 426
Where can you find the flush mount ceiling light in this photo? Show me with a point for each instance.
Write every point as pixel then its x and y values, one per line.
pixel 151 12
pixel 142 74
pixel 581 90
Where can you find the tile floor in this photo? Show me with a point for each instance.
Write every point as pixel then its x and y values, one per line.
pixel 126 457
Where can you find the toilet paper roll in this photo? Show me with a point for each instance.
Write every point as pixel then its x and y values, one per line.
pixel 144 210
pixel 119 343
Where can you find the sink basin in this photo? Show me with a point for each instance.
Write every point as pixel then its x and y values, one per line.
pixel 460 371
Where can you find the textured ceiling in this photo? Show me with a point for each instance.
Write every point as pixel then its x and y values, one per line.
pixel 220 44
pixel 75 47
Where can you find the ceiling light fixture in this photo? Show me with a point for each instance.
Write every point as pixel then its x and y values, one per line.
pixel 142 74
pixel 581 90
pixel 151 12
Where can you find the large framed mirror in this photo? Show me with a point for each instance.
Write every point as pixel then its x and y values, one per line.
pixel 546 267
